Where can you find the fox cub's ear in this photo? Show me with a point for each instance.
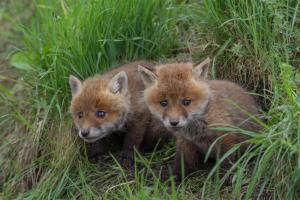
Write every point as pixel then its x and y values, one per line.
pixel 200 71
pixel 75 84
pixel 119 83
pixel 147 76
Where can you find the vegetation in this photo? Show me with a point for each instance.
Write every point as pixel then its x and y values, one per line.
pixel 254 43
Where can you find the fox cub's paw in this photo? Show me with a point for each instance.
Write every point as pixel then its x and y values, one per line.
pixel 126 160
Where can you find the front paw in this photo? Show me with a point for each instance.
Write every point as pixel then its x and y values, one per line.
pixel 126 160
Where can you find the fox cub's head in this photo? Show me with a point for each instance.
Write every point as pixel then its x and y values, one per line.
pixel 99 106
pixel 176 93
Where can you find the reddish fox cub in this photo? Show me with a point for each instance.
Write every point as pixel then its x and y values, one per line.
pixel 190 106
pixel 108 104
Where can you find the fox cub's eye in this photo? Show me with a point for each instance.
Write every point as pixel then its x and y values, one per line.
pixel 80 115
pixel 100 114
pixel 163 103
pixel 186 102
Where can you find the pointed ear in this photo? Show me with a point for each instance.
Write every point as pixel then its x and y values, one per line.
pixel 147 76
pixel 75 85
pixel 119 83
pixel 200 71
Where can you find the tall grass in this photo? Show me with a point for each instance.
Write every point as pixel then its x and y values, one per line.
pixel 249 42
pixel 85 37
pixel 270 168
pixel 249 39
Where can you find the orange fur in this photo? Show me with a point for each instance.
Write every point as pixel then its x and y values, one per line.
pixel 213 103
pixel 124 112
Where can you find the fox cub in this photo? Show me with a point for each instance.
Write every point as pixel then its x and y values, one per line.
pixel 109 104
pixel 190 106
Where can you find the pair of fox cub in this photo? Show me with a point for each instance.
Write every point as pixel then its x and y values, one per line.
pixel 143 104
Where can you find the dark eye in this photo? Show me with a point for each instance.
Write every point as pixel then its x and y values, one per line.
pixel 186 102
pixel 100 114
pixel 80 115
pixel 163 103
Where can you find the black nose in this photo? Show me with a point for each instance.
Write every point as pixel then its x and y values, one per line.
pixel 174 123
pixel 85 133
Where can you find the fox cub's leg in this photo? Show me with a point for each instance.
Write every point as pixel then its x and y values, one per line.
pixel 226 144
pixel 187 158
pixel 132 140
pixel 203 138
pixel 97 149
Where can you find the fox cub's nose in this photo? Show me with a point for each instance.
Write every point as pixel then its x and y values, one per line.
pixel 174 122
pixel 85 133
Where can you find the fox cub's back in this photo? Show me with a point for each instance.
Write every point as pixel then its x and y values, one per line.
pixel 231 105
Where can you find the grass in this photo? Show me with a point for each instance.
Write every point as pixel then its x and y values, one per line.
pixel 250 39
pixel 84 38
pixel 254 43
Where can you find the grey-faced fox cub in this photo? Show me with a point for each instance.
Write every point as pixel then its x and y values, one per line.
pixel 109 105
pixel 190 106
